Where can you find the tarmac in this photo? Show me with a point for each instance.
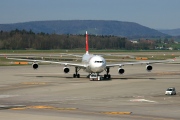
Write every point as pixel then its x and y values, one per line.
pixel 49 94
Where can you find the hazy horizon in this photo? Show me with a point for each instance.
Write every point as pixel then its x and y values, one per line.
pixel 156 14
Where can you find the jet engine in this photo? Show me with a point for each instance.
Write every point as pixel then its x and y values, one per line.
pixel 66 70
pixel 121 70
pixel 35 65
pixel 149 68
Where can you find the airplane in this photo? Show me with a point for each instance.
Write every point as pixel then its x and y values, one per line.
pixel 93 64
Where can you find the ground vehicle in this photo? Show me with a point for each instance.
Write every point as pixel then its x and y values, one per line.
pixel 94 76
pixel 170 91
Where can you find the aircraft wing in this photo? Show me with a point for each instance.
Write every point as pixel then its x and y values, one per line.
pixel 53 62
pixel 139 62
pixel 80 56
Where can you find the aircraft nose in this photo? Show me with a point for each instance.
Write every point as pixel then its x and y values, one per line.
pixel 98 68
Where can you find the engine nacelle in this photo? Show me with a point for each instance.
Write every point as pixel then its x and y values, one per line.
pixel 66 70
pixel 35 65
pixel 121 71
pixel 149 68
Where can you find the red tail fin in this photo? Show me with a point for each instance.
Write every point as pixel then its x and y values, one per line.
pixel 87 46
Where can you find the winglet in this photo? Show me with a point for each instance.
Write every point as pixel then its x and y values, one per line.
pixel 87 46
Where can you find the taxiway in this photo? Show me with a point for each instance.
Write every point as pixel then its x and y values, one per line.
pixel 48 93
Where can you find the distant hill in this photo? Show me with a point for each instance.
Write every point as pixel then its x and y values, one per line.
pixel 97 27
pixel 172 32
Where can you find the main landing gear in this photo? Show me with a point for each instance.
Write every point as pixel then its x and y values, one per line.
pixel 107 75
pixel 76 75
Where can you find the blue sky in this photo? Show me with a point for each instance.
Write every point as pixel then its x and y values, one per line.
pixel 158 14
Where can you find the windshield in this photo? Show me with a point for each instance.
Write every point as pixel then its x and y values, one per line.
pixel 169 89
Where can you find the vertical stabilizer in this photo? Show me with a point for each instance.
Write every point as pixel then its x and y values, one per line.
pixel 87 46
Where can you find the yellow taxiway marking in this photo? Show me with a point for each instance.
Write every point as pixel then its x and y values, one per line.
pixel 117 113
pixel 41 107
pixel 126 114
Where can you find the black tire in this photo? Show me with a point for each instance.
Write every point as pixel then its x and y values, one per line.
pixel 105 76
pixel 74 75
pixel 109 76
pixel 78 75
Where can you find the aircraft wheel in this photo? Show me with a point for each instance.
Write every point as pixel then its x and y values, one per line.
pixel 78 75
pixel 109 76
pixel 74 75
pixel 105 76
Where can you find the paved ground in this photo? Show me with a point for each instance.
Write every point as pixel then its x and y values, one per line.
pixel 49 94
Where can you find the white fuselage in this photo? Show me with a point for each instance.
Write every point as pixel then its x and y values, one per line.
pixel 94 63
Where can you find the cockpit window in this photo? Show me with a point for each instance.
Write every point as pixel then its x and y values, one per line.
pixel 99 62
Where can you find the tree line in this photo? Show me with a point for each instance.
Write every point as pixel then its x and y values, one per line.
pixel 22 39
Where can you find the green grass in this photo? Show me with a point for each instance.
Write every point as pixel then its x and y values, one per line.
pixel 157 54
pixel 78 51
